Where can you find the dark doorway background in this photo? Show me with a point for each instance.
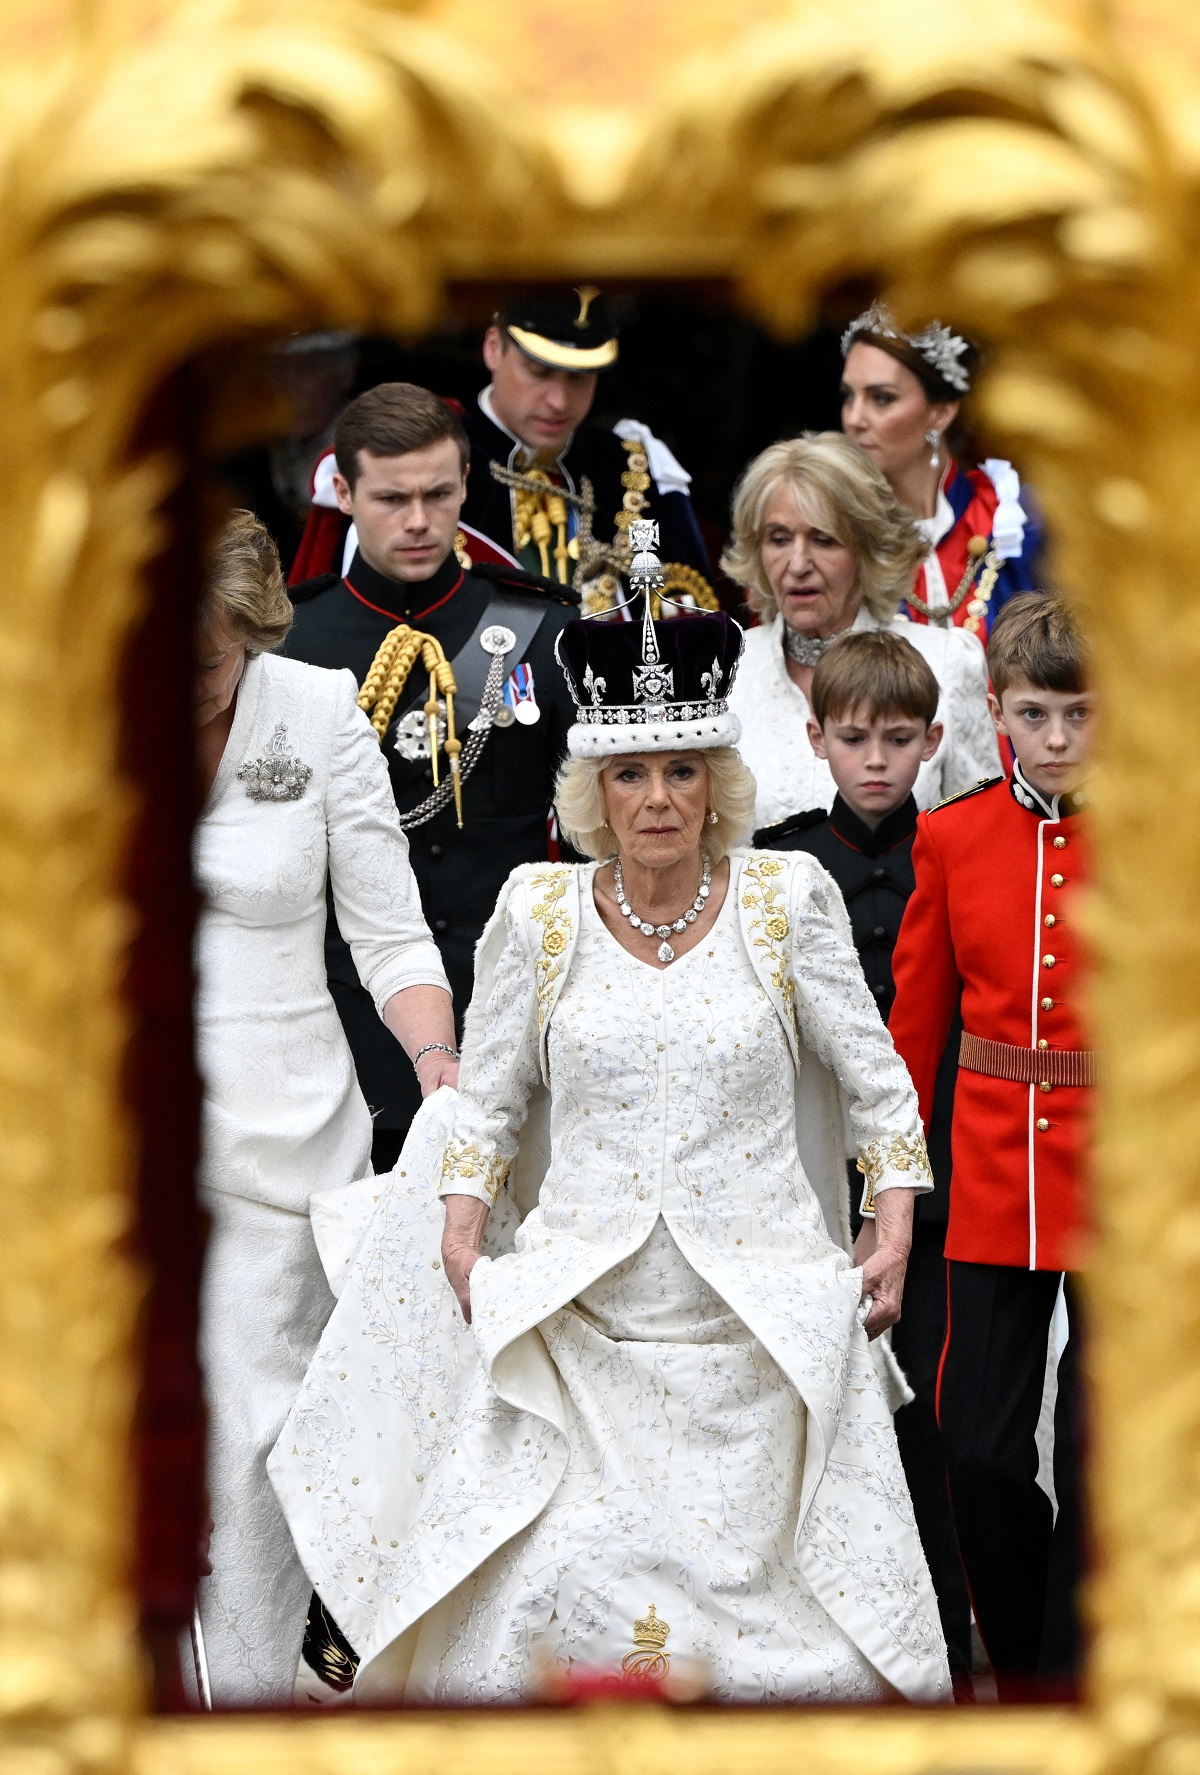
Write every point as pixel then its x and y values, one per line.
pixel 709 382
pixel 713 384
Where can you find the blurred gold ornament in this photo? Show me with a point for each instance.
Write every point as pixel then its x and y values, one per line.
pixel 182 181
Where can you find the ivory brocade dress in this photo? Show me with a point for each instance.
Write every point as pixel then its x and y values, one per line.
pixel 283 1115
pixel 704 1471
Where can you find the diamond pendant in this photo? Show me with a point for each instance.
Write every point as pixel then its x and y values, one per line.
pixel 665 952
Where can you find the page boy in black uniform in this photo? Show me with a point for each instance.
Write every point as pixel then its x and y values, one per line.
pixel 873 702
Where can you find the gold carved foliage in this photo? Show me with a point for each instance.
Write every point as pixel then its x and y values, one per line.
pixel 175 178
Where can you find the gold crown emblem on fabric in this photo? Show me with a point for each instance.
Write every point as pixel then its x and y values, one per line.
pixel 650 1637
pixel 398 654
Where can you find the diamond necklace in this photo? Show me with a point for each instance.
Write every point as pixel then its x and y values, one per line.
pixel 665 952
pixel 806 650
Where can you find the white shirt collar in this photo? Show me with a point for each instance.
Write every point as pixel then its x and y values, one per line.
pixel 1034 797
pixel 487 408
pixel 942 522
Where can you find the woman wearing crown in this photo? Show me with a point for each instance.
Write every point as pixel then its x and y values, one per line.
pixel 613 1402
pixel 901 397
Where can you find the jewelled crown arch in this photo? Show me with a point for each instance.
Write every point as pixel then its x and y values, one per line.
pixel 179 176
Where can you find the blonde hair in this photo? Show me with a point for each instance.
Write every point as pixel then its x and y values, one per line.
pixel 840 489
pixel 583 818
pixel 245 593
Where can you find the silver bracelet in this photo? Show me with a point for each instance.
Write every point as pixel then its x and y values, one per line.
pixel 435 1048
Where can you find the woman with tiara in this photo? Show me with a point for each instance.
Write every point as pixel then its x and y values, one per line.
pixel 614 1402
pixel 901 399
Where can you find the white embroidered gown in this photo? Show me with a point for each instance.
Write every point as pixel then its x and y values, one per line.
pixel 283 1114
pixel 711 1437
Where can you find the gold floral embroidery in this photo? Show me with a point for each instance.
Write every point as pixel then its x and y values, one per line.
pixel 463 1161
pixel 555 920
pixel 901 1152
pixel 762 895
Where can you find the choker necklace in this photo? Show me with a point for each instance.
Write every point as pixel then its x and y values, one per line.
pixel 665 952
pixel 806 650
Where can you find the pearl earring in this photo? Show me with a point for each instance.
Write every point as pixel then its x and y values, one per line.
pixel 933 439
pixel 712 819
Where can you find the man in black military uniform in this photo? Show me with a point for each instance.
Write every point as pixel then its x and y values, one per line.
pixel 545 355
pixel 402 468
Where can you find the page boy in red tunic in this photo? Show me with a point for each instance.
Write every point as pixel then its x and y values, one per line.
pixel 999 876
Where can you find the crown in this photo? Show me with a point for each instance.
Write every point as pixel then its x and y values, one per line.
pixel 642 685
pixel 940 348
pixel 649 1632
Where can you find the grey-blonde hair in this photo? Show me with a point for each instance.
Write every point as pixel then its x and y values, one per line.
pixel 840 489
pixel 245 594
pixel 583 818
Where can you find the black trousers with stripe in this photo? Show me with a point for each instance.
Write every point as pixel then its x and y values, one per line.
pixel 1022 1565
pixel 918 1341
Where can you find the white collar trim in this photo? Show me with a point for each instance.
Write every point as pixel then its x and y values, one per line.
pixel 487 408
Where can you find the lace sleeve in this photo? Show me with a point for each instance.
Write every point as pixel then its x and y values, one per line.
pixel 839 1022
pixel 378 906
pixel 500 1074
pixel 973 751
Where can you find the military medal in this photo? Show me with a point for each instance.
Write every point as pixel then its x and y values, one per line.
pixel 518 695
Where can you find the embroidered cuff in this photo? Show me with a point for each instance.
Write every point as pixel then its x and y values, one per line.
pixel 898 1162
pixel 466 1171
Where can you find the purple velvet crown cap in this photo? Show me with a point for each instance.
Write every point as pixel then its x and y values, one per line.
pixel 642 686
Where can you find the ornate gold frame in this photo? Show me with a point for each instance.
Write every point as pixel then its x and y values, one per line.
pixel 178 175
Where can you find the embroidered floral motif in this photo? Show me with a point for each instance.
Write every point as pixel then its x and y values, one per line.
pixel 901 1152
pixel 280 776
pixel 555 921
pixel 463 1161
pixel 762 895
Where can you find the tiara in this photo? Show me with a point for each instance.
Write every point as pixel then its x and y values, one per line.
pixel 940 348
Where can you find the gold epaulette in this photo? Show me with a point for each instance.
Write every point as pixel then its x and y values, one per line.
pixel 963 794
